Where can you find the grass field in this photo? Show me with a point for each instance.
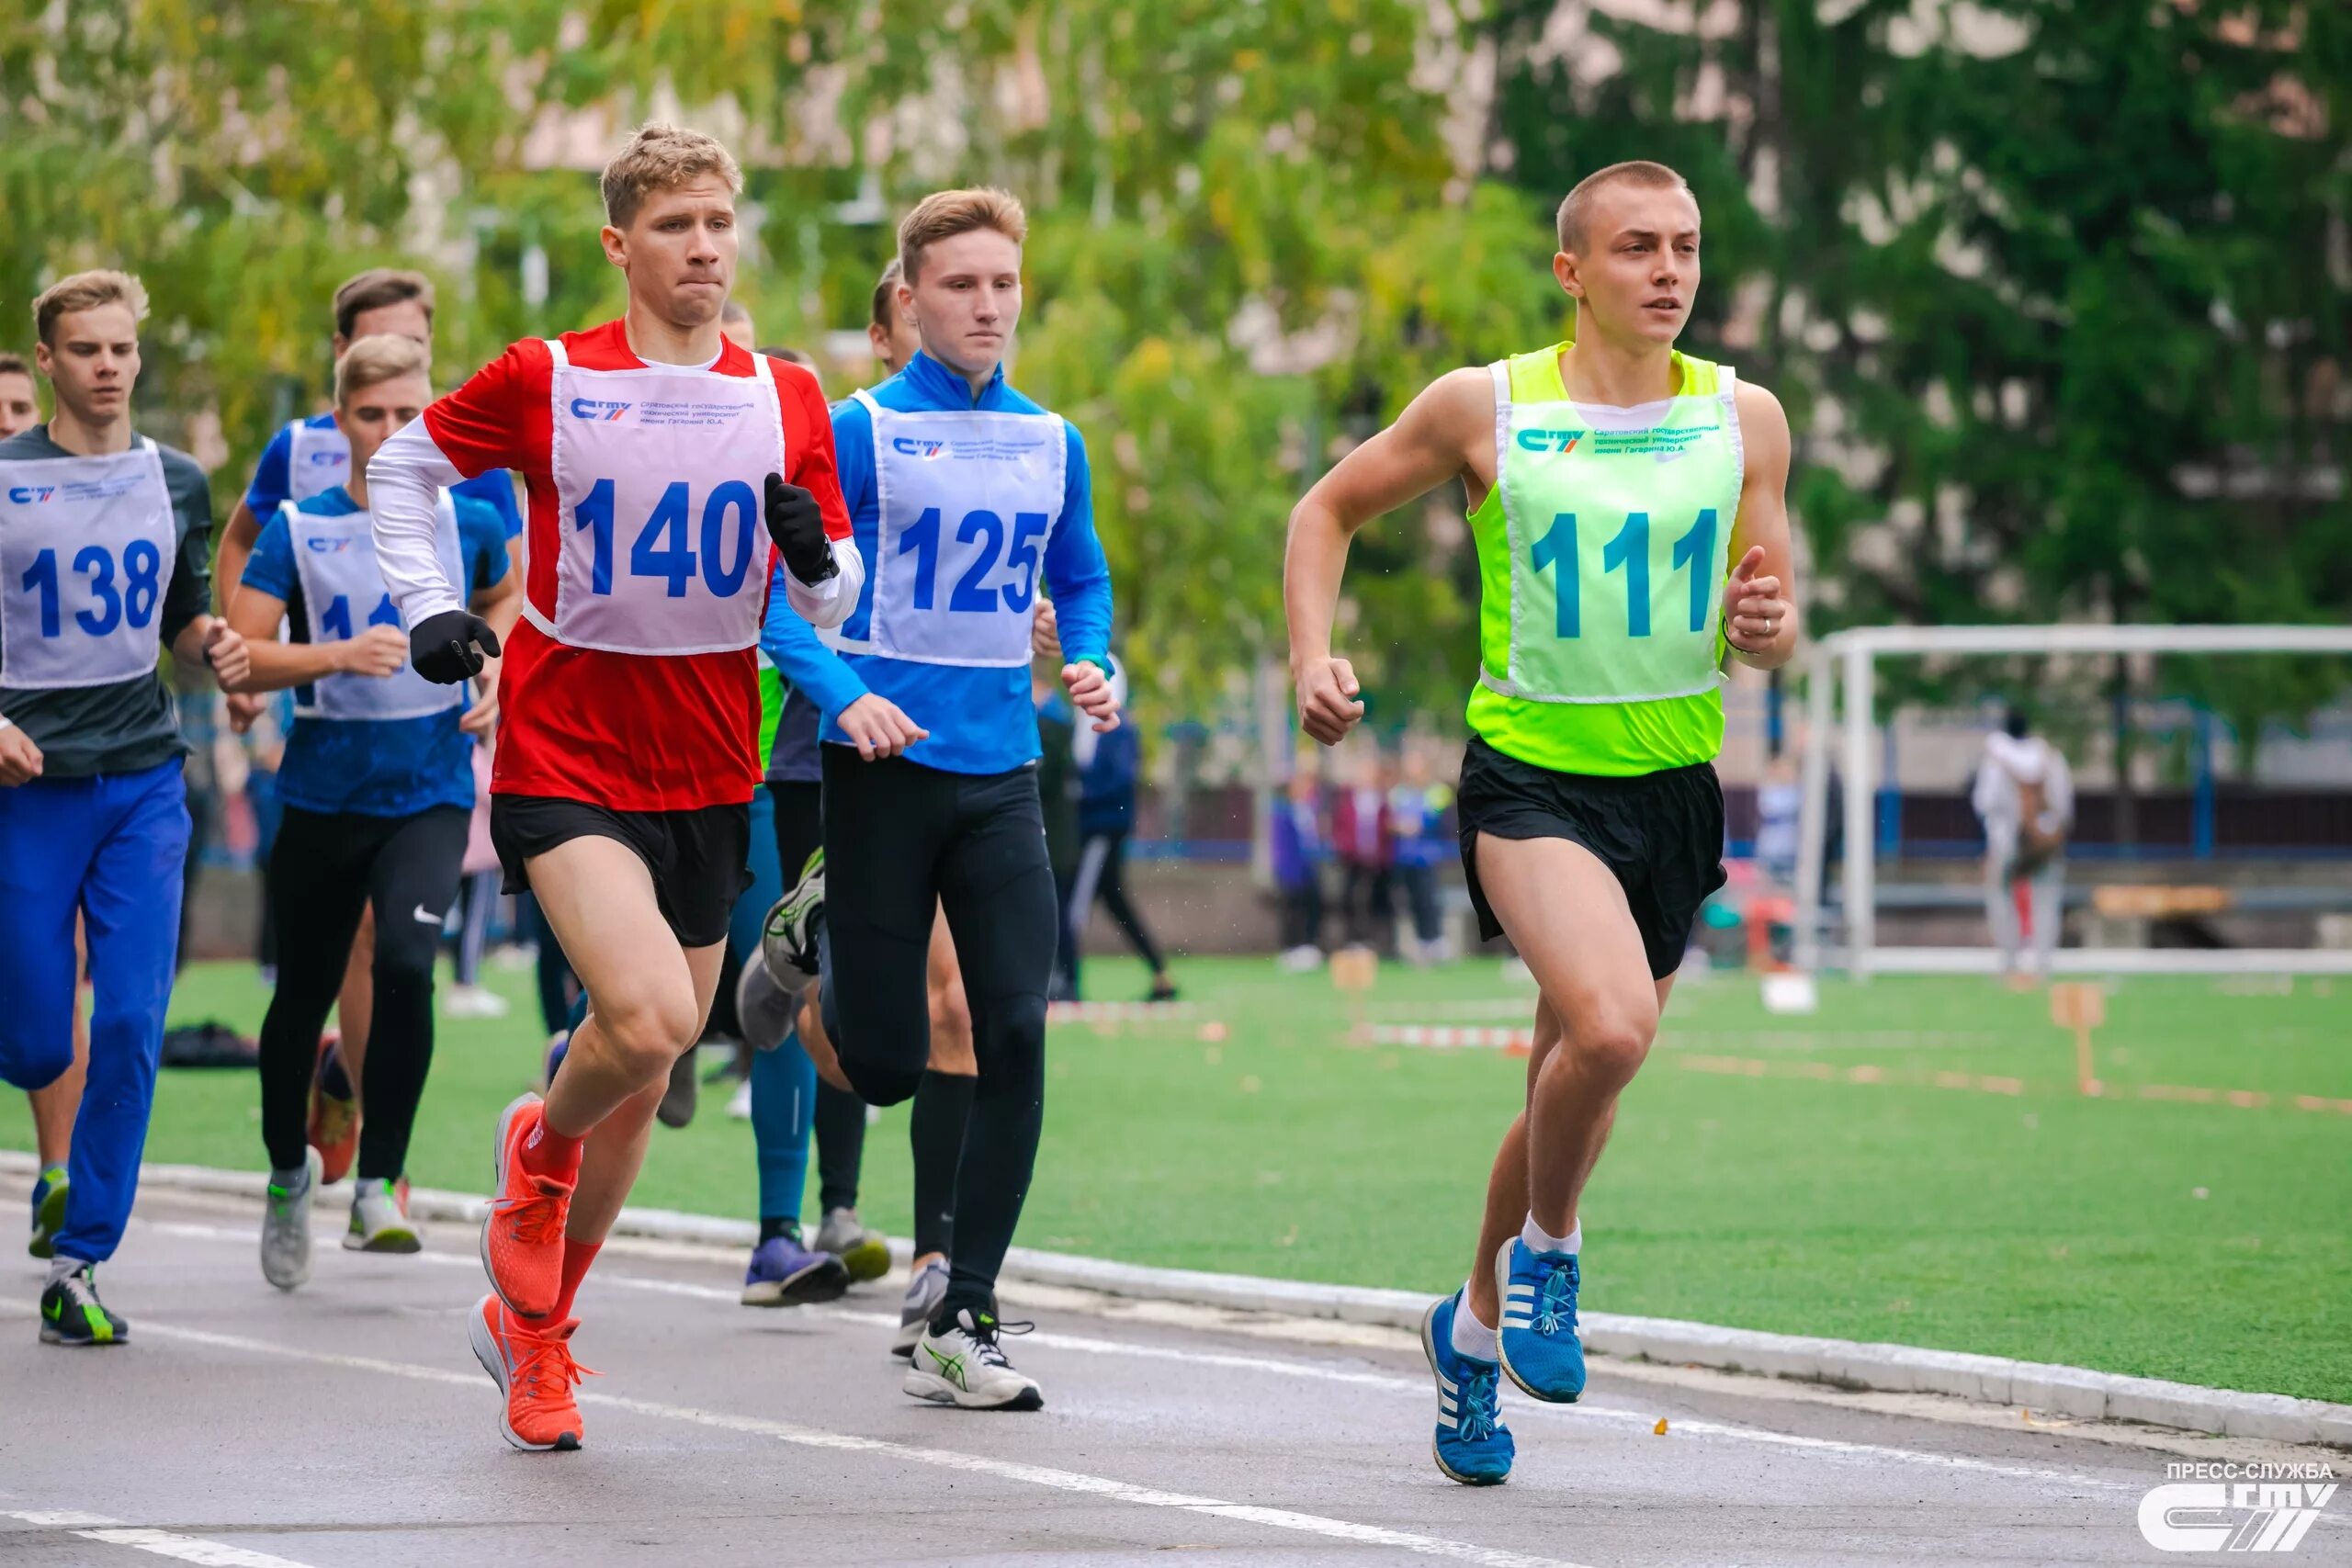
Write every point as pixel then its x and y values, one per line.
pixel 1757 1178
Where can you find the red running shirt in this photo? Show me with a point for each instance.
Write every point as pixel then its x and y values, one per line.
pixel 626 731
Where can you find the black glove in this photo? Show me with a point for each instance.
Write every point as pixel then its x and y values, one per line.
pixel 448 647
pixel 797 526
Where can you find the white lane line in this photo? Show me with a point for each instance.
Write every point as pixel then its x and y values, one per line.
pixel 163 1543
pixel 1385 1383
pixel 809 1437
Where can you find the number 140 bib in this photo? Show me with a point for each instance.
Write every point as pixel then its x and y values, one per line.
pixel 657 472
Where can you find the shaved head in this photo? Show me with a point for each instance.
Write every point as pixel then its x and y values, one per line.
pixel 1576 209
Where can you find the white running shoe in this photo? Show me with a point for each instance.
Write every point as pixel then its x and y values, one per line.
pixel 965 1366
pixel 379 1220
pixel 473 1002
pixel 286 1224
pixel 739 1104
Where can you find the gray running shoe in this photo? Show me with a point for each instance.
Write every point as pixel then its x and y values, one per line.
pixel 286 1224
pixel 866 1255
pixel 763 1008
pixel 925 1291
pixel 379 1220
pixel 677 1107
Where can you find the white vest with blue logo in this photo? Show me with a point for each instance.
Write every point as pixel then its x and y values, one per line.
pixel 344 594
pixel 87 545
pixel 318 459
pixel 967 503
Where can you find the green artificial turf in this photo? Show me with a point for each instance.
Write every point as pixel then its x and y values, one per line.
pixel 2204 1241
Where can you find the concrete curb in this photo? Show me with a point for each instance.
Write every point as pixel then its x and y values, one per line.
pixel 2077 1391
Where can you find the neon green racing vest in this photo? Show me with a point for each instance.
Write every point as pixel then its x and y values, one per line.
pixel 1602 550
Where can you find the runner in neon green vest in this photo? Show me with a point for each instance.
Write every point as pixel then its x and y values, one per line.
pixel 1613 481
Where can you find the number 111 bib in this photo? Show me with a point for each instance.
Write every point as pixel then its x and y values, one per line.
pixel 658 476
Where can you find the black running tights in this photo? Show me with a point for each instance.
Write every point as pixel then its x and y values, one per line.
pixel 325 870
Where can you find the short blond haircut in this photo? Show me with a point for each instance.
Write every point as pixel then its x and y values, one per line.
pixel 1576 208
pixel 661 157
pixel 86 291
pixel 945 214
pixel 376 358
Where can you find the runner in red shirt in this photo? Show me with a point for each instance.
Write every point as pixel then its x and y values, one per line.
pixel 651 451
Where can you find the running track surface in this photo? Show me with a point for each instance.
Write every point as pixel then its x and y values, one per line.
pixel 348 1425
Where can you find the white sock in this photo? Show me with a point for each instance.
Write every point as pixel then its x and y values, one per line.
pixel 1538 1239
pixel 60 1266
pixel 1471 1337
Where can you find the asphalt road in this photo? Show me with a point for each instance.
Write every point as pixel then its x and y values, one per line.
pixel 348 1425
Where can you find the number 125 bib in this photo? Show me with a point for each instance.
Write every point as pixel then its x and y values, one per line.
pixel 658 476
pixel 968 501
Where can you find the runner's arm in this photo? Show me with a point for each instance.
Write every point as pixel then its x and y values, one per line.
pixel 464 433
pixel 1429 444
pixel 271 475
pixel 791 644
pixel 1432 441
pixel 1075 571
pixel 237 537
pixel 1763 523
pixel 808 437
pixel 257 610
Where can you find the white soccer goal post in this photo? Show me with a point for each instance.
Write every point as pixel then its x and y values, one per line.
pixel 1844 663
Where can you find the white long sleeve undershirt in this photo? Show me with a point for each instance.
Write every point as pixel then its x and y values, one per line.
pixel 404 483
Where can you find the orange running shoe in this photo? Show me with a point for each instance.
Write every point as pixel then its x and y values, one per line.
pixel 335 1119
pixel 522 1236
pixel 534 1370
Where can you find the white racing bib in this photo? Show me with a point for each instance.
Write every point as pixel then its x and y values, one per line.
pixel 344 594
pixel 317 460
pixel 659 477
pixel 967 504
pixel 87 545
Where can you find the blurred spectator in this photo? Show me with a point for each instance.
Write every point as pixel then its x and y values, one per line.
pixel 1417 812
pixel 1366 845
pixel 1780 802
pixel 1106 817
pixel 1299 850
pixel 2025 795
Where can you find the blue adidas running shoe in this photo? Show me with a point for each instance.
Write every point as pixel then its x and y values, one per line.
pixel 1539 1347
pixel 1473 1446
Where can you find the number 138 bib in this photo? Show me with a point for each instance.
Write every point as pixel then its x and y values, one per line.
pixel 86 550
pixel 968 501
pixel 659 474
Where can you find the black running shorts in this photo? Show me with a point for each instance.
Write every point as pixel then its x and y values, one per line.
pixel 1661 833
pixel 700 858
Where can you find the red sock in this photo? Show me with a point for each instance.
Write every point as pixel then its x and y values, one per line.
pixel 577 1256
pixel 549 1153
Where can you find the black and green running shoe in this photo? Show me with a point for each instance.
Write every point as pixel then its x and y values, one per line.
pixel 48 1212
pixel 72 1315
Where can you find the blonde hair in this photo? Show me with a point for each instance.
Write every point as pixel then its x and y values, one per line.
pixel 1576 208
pixel 86 291
pixel 661 157
pixel 378 357
pixel 374 289
pixel 945 214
